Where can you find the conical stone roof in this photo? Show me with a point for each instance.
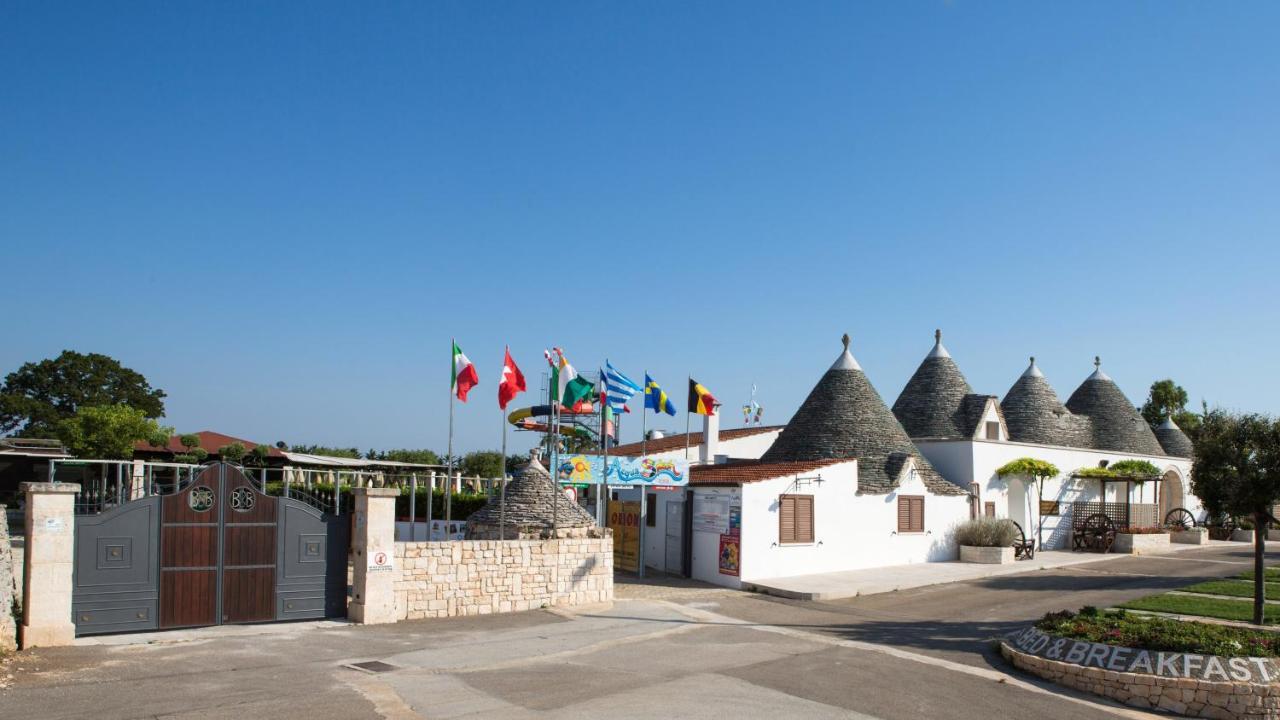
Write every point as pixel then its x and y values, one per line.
pixel 1114 421
pixel 932 405
pixel 1034 414
pixel 533 502
pixel 1173 440
pixel 844 417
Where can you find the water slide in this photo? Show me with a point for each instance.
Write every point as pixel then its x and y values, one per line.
pixel 526 419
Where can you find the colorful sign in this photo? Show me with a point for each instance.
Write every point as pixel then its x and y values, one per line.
pixel 735 519
pixel 624 471
pixel 730 555
pixel 624 520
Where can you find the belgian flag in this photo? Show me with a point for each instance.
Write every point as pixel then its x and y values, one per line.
pixel 701 401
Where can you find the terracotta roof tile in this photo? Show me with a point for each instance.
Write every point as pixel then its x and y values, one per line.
pixel 750 471
pixel 677 442
pixel 209 440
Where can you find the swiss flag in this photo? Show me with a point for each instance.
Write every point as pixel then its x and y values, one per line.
pixel 512 382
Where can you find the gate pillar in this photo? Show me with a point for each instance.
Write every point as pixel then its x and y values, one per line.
pixel 373 543
pixel 50 560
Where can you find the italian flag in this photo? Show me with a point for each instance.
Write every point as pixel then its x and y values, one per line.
pixel 464 374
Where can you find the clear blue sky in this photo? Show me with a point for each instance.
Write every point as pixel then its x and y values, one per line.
pixel 280 213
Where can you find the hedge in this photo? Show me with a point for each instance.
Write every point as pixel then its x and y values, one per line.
pixel 464 504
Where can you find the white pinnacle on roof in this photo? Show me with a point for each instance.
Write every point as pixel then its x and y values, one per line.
pixel 846 361
pixel 1097 371
pixel 938 351
pixel 1032 370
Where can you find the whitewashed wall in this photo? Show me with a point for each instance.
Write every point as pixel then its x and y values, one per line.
pixel 1015 499
pixel 743 448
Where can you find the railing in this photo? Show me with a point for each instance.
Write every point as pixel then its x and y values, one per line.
pixel 105 484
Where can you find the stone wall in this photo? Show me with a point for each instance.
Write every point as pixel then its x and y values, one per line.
pixel 481 577
pixel 8 588
pixel 1254 698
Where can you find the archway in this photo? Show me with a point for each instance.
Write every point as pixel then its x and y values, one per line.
pixel 1172 494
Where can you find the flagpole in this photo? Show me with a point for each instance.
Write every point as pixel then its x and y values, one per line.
pixel 448 480
pixel 502 489
pixel 644 417
pixel 604 444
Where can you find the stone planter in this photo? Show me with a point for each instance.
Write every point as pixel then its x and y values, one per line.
pixel 986 555
pixel 1273 534
pixel 1241 535
pixel 1139 544
pixel 1181 683
pixel 1190 536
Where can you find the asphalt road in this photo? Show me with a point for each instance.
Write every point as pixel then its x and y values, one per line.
pixel 665 649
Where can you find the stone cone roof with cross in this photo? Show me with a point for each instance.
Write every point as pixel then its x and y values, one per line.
pixel 533 506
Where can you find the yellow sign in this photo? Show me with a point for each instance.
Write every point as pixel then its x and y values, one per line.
pixel 624 520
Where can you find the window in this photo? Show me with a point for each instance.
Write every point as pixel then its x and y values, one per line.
pixel 910 513
pixel 989 509
pixel 650 510
pixel 795 519
pixel 993 430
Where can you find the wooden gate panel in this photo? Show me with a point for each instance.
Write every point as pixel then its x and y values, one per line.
pixel 189 552
pixel 248 550
pixel 247 594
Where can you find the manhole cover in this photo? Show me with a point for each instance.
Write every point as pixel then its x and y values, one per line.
pixel 373 666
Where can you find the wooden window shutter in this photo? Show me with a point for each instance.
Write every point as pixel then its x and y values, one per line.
pixel 795 519
pixel 993 430
pixel 910 513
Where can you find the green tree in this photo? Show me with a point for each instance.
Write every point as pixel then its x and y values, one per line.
pixel 108 432
pixel 233 452
pixel 1038 471
pixel 190 441
pixel 1167 399
pixel 258 455
pixel 515 461
pixel 36 397
pixel 421 457
pixel 482 463
pixel 330 451
pixel 1237 472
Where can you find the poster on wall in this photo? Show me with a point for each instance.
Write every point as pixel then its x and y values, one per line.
pixel 624 520
pixel 624 471
pixel 730 554
pixel 735 520
pixel 711 513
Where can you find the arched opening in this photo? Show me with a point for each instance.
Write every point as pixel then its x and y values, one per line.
pixel 1172 494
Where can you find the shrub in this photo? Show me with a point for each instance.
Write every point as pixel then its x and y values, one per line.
pixel 986 532
pixel 1117 627
pixel 1144 531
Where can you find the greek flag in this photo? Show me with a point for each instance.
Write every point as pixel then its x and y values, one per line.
pixel 618 388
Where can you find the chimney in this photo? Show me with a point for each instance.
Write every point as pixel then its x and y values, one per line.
pixel 710 436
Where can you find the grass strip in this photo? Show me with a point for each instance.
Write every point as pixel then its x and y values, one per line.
pixel 1268 574
pixel 1239 610
pixel 1234 588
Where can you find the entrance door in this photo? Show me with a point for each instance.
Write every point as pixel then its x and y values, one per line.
pixel 675 538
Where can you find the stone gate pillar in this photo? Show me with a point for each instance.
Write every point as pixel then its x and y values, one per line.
pixel 373 598
pixel 50 559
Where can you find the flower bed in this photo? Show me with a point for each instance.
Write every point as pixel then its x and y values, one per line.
pixel 1156 633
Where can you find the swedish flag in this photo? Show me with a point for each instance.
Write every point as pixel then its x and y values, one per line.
pixel 655 398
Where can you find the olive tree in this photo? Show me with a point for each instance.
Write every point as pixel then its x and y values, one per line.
pixel 1237 472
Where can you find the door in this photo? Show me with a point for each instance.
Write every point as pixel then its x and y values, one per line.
pixel 674 524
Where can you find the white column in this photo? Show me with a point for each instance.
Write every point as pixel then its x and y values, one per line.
pixel 50 560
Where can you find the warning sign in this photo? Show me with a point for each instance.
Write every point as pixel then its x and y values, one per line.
pixel 380 560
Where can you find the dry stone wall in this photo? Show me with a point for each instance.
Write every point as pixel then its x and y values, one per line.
pixel 482 577
pixel 1186 684
pixel 8 588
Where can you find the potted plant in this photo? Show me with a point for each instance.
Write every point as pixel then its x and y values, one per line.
pixel 1139 540
pixel 986 540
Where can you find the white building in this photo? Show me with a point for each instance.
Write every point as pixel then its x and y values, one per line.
pixel 967 436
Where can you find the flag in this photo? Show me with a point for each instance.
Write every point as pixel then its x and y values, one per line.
pixel 512 382
pixel 562 376
pixel 464 374
pixel 655 398
pixel 701 401
pixel 618 388
pixel 576 391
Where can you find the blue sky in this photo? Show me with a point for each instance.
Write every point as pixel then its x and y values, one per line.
pixel 281 213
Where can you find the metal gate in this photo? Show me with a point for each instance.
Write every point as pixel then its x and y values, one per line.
pixel 218 550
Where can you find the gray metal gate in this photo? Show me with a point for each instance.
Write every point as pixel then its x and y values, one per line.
pixel 250 556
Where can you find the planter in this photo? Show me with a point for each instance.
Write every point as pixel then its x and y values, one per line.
pixel 1139 544
pixel 1241 535
pixel 1190 536
pixel 986 555
pixel 1184 684
pixel 1273 534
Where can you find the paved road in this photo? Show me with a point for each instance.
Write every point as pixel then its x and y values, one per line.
pixel 664 649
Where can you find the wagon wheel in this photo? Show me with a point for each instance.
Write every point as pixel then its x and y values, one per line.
pixel 1100 531
pixel 1022 536
pixel 1180 519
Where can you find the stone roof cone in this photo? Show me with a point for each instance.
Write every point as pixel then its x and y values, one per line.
pixel 844 417
pixel 1173 440
pixel 933 402
pixel 1034 413
pixel 530 509
pixel 1115 422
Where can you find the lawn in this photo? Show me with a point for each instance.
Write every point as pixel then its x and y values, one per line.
pixel 1234 588
pixel 1240 610
pixel 1269 574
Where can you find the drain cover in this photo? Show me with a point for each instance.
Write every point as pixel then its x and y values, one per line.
pixel 373 666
